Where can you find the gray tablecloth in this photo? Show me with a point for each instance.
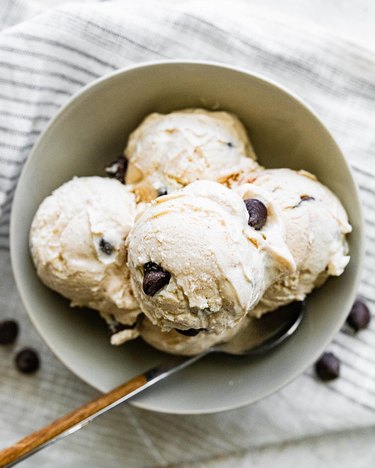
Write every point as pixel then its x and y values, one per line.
pixel 46 57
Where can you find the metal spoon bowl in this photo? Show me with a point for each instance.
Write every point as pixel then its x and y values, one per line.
pixel 257 336
pixel 261 335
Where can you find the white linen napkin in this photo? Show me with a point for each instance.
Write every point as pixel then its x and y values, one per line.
pixel 45 58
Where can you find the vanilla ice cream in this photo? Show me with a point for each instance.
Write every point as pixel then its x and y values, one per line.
pixel 196 263
pixel 176 342
pixel 200 243
pixel 316 225
pixel 168 151
pixel 77 242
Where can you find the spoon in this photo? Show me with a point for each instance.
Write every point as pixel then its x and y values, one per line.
pixel 257 336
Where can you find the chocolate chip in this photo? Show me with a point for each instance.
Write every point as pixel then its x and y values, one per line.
pixel 155 277
pixel 151 266
pixel 306 198
pixel 257 213
pixel 161 192
pixel 8 331
pixel 303 198
pixel 190 331
pixel 115 326
pixel 230 144
pixel 117 168
pixel 359 317
pixel 328 367
pixel 27 361
pixel 105 246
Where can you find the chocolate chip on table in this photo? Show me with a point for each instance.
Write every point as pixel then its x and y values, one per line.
pixel 27 361
pixel 155 277
pixel 359 316
pixel 117 168
pixel 328 367
pixel 8 331
pixel 105 246
pixel 230 144
pixel 257 213
pixel 190 331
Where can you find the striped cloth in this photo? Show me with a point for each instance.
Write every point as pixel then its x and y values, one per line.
pixel 44 59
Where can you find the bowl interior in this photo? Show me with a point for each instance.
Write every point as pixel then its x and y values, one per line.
pixel 91 131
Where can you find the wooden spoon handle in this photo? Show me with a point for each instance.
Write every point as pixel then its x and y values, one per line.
pixel 81 416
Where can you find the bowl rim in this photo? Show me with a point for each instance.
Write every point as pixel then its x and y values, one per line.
pixel 149 64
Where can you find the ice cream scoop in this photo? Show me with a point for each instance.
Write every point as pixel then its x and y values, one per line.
pixel 168 151
pixel 77 242
pixel 316 225
pixel 196 263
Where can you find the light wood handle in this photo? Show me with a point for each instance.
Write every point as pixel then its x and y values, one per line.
pixel 33 441
pixel 78 418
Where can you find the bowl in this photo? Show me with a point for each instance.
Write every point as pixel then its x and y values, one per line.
pixel 90 131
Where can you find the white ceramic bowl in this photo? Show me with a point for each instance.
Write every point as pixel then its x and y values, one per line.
pixel 90 131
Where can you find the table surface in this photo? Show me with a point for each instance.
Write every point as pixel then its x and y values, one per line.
pixel 353 21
